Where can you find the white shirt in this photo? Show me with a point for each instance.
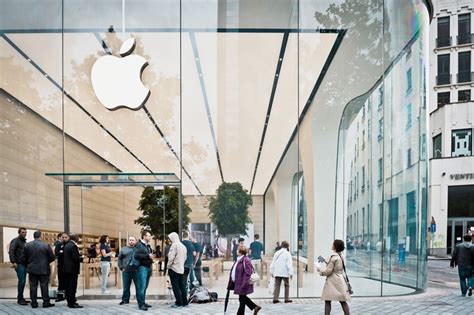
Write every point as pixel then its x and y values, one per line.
pixel 234 267
pixel 282 264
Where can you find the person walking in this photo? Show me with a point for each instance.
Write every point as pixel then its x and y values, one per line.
pixel 176 260
pixel 197 262
pixel 38 256
pixel 143 253
pixel 256 248
pixel 128 265
pixel 235 248
pixel 463 257
pixel 15 251
pixel 335 288
pixel 189 263
pixel 71 270
pixel 239 281
pixel 105 262
pixel 59 253
pixel 282 269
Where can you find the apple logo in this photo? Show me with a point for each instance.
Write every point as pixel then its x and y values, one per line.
pixel 117 81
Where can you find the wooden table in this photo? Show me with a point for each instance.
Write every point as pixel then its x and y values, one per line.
pixel 95 267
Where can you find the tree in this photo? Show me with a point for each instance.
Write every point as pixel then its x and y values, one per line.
pixel 228 210
pixel 153 203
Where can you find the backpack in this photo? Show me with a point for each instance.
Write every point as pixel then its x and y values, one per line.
pixel 200 295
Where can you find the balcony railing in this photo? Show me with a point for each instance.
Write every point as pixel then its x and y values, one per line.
pixel 465 77
pixel 443 41
pixel 465 39
pixel 443 78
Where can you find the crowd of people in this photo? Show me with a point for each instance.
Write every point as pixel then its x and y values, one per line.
pixel 183 264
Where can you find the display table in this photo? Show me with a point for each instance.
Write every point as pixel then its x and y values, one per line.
pixel 94 267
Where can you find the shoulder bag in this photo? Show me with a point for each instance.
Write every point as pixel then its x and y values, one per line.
pixel 346 278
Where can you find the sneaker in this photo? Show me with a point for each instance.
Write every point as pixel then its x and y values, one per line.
pixel 289 301
pixel 48 305
pixel 143 308
pixel 123 302
pixel 256 309
pixel 276 301
pixel 469 292
pixel 106 292
pixel 147 305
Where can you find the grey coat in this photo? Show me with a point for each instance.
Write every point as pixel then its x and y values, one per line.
pixel 38 256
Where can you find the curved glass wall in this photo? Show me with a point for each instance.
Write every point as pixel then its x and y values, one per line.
pixel 316 107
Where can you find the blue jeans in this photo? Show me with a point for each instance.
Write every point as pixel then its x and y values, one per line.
pixel 21 274
pixel 143 278
pixel 465 278
pixel 127 278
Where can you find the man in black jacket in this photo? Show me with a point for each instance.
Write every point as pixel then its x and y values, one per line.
pixel 463 257
pixel 71 270
pixel 15 252
pixel 38 256
pixel 144 255
pixel 59 253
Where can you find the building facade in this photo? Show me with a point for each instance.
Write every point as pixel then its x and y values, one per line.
pixel 451 123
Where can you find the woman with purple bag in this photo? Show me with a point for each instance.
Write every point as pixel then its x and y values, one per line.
pixel 240 281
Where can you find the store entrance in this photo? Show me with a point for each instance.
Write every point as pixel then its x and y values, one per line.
pixel 457 227
pixel 111 204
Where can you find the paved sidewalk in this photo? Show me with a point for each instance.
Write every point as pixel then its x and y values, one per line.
pixel 434 301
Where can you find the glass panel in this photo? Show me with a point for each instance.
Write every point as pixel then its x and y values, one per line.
pixel 437 147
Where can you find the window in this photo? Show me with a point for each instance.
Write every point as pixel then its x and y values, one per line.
pixel 409 164
pixel 408 125
pixel 444 98
pixel 464 96
pixel 443 39
pixel 409 82
pixel 444 76
pixel 380 136
pixel 461 142
pixel 464 67
pixel 464 29
pixel 437 150
pixel 380 170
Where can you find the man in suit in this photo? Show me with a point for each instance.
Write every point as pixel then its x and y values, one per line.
pixel 63 238
pixel 71 270
pixel 38 256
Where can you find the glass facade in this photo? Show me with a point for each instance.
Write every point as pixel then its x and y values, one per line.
pixel 319 114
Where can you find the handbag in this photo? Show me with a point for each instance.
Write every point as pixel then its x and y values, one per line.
pixel 346 278
pixel 254 277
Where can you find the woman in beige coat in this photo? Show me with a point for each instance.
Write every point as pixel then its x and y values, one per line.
pixel 335 288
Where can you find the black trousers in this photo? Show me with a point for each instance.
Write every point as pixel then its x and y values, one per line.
pixel 178 283
pixel 70 285
pixel 61 286
pixel 44 281
pixel 245 301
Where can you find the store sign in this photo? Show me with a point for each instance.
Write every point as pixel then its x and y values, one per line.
pixel 462 176
pixel 117 81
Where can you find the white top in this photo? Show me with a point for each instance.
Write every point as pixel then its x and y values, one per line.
pixel 282 264
pixel 177 255
pixel 233 267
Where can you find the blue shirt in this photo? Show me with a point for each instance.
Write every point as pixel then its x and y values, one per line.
pixel 189 263
pixel 256 249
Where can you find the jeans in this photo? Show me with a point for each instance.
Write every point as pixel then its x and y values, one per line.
pixel 105 268
pixel 44 281
pixel 465 278
pixel 244 300
pixel 127 278
pixel 21 275
pixel 178 283
pixel 143 278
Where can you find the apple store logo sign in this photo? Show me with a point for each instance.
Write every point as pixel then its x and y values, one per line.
pixel 117 81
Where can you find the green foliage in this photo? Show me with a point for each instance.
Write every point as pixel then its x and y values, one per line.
pixel 228 210
pixel 152 211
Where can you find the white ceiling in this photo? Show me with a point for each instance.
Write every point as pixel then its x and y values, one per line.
pixel 237 76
